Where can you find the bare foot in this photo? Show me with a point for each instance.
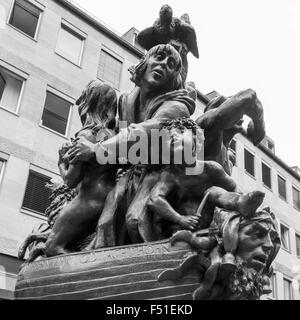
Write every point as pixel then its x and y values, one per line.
pixel 248 203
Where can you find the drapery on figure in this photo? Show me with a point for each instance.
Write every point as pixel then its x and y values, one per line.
pixel 158 97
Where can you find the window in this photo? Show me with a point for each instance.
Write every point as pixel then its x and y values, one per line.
pixel 296 198
pixel 37 195
pixel 273 286
pixel 56 113
pixel 25 17
pixel 281 187
pixel 266 175
pixel 70 45
pixel 10 90
pixel 109 69
pixel 298 244
pixel 249 162
pixel 287 289
pixel 285 237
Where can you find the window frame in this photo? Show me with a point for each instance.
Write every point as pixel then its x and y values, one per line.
pixel 77 33
pixel 245 170
pixel 268 166
pixel 29 210
pixel 289 238
pixel 285 180
pixel 293 187
pixel 34 3
pixel 273 295
pixel 288 279
pixel 63 97
pixel 118 58
pixel 2 169
pixel 297 234
pixel 23 80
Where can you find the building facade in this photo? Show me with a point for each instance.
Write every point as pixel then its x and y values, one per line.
pixel 49 51
pixel 258 168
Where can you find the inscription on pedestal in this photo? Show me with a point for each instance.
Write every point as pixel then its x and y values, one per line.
pixel 67 262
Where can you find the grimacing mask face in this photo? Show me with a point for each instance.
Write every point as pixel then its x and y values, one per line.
pixel 256 242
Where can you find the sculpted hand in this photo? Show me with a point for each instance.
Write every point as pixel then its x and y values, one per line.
pixel 63 150
pixel 189 222
pixel 83 150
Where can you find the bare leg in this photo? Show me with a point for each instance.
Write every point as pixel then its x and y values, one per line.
pixel 72 224
pixel 232 110
pixel 246 204
pixel 218 176
pixel 114 203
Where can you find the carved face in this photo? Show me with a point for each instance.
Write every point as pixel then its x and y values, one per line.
pixel 182 145
pixel 162 68
pixel 256 241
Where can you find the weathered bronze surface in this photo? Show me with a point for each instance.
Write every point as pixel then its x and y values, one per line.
pixel 153 229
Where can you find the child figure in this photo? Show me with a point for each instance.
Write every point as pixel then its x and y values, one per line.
pixel 172 203
pixel 97 110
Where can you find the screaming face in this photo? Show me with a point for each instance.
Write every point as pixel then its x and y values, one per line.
pixel 256 242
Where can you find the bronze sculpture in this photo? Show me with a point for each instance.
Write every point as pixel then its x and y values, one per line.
pixel 127 199
pixel 248 245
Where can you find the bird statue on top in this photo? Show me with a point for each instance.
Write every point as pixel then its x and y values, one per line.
pixel 171 30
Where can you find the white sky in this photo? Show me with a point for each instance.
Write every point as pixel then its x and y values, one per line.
pixel 242 44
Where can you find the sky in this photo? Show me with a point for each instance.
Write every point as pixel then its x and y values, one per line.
pixel 242 44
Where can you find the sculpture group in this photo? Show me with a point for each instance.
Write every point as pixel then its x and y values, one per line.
pixel 114 192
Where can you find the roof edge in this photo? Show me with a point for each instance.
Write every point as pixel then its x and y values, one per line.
pixel 84 15
pixel 275 158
